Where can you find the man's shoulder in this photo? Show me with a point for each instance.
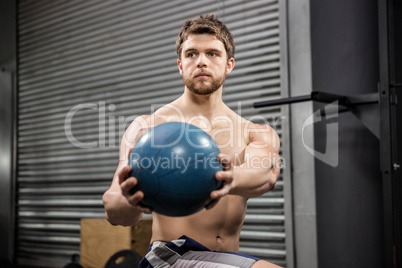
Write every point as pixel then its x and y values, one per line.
pixel 141 122
pixel 136 128
pixel 251 126
pixel 265 135
pixel 260 132
pixel 142 118
pixel 258 127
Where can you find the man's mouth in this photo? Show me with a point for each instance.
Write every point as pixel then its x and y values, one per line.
pixel 202 76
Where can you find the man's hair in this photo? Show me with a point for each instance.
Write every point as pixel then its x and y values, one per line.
pixel 206 24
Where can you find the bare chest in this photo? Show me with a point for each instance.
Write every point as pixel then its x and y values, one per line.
pixel 231 141
pixel 230 135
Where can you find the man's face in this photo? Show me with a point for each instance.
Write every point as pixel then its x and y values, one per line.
pixel 204 63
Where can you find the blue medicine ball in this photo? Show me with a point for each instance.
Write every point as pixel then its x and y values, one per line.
pixel 175 165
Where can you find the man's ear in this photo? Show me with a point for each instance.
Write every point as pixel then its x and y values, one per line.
pixel 230 65
pixel 179 65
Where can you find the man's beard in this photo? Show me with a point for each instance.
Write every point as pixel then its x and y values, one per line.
pixel 202 87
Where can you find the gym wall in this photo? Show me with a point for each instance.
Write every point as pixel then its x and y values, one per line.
pixel 345 55
pixel 87 69
pixel 7 127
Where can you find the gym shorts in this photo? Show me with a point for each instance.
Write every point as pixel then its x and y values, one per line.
pixel 186 252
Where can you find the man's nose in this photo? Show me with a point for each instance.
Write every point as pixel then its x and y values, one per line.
pixel 202 61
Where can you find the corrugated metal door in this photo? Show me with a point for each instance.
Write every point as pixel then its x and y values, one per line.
pixel 86 70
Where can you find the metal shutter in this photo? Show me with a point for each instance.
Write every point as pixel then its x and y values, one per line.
pixel 104 63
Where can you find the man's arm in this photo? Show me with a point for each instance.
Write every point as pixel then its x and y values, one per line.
pixel 260 169
pixel 121 206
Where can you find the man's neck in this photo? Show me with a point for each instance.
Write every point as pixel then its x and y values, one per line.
pixel 202 105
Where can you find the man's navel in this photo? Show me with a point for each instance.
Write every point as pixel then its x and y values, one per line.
pixel 219 243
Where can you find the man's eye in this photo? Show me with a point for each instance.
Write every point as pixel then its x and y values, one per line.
pixel 191 55
pixel 213 54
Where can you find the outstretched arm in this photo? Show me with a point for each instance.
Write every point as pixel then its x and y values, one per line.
pixel 260 169
pixel 121 206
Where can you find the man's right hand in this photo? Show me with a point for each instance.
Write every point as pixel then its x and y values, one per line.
pixel 127 184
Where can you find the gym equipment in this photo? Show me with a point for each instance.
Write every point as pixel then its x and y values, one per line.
pixel 124 259
pixel 75 262
pixel 175 165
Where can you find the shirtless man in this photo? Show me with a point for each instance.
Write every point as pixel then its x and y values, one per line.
pixel 205 50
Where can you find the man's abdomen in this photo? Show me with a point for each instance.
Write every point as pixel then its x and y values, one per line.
pixel 217 228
